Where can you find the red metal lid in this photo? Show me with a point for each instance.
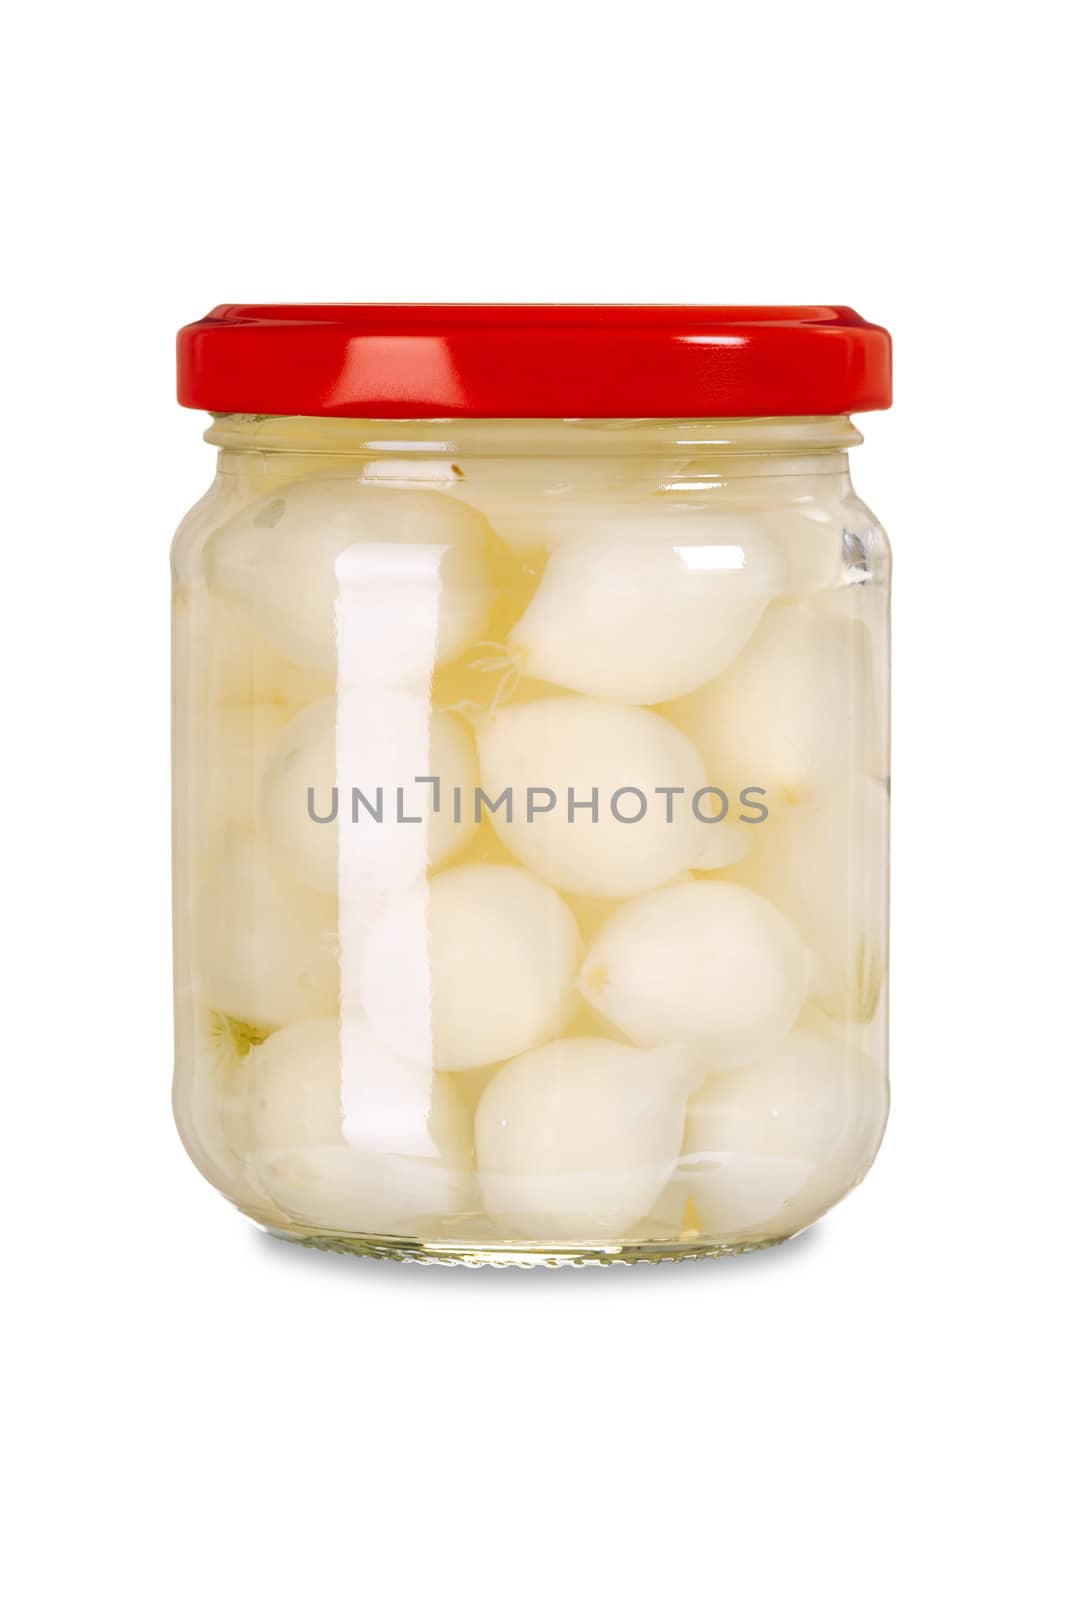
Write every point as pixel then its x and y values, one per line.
pixel 534 361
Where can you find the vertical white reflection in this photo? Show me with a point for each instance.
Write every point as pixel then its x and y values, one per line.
pixel 385 1102
pixel 387 612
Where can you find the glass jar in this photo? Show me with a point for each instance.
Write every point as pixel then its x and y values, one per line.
pixel 531 777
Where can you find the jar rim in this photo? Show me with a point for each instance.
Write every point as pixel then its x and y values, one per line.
pixel 805 443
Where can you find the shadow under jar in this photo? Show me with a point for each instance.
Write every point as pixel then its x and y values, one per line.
pixel 531 777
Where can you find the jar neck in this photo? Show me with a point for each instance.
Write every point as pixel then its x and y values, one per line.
pixel 702 447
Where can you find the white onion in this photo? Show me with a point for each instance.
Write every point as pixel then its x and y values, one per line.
pixel 221 660
pixel 648 607
pixel 576 1139
pixel 829 539
pixel 705 964
pixel 282 555
pixel 794 711
pixel 824 864
pixel 769 1147
pixel 234 696
pixel 349 1138
pixel 211 1098
pixel 471 968
pixel 220 777
pixel 815 520
pixel 568 742
pixel 866 606
pixel 264 947
pixel 809 533
pixel 531 502
pixel 539 503
pixel 304 757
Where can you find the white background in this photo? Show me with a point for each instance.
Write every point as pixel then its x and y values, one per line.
pixel 874 1410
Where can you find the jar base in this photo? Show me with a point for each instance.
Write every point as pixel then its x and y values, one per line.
pixel 472 1253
